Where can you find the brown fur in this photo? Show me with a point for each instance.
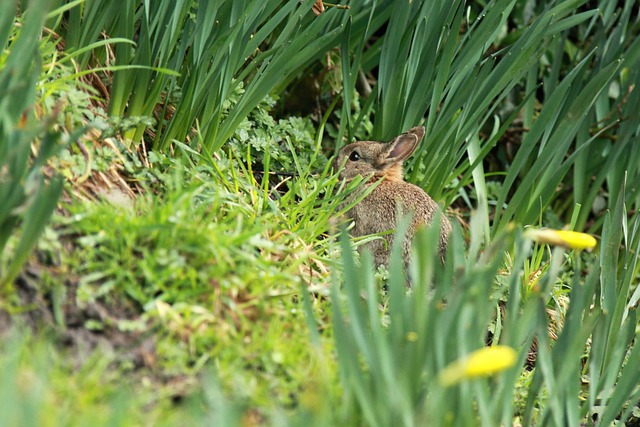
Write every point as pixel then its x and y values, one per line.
pixel 394 173
pixel 378 211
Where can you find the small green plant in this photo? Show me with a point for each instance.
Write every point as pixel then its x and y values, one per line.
pixel 289 145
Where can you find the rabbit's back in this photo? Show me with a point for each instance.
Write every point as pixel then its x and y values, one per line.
pixel 378 213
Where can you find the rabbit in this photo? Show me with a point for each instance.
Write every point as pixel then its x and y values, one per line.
pixel 379 210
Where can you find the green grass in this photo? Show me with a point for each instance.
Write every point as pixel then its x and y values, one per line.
pixel 212 268
pixel 192 265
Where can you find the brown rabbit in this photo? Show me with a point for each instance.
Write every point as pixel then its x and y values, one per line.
pixel 378 211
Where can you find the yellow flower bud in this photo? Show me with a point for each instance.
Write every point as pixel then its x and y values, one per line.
pixel 564 238
pixel 412 337
pixel 484 362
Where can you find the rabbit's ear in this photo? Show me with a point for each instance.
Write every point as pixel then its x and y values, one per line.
pixel 404 145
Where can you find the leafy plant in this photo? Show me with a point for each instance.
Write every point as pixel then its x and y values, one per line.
pixel 215 48
pixel 397 364
pixel 27 196
pixel 287 144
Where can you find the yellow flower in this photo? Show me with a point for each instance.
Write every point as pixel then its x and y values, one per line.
pixel 484 362
pixel 564 238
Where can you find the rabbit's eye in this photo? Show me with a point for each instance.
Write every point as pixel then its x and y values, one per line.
pixel 354 156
